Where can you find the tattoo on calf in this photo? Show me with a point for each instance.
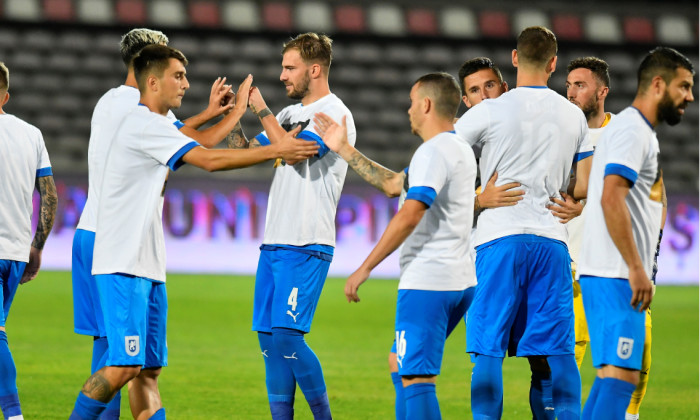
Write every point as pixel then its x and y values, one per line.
pixel 98 388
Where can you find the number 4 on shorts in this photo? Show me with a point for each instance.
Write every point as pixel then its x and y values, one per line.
pixel 292 301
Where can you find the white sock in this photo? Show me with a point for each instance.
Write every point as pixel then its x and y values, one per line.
pixel 629 416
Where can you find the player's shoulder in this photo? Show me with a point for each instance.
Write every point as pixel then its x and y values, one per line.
pixel 17 123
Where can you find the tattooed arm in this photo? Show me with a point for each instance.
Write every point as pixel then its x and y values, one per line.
pixel 47 214
pixel 335 137
pixel 237 139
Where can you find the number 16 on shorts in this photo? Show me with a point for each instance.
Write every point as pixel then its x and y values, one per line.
pixel 400 346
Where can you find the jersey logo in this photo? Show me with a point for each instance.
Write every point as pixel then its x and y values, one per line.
pixel 624 348
pixel 293 356
pixel 264 353
pixel 131 345
pixel 294 316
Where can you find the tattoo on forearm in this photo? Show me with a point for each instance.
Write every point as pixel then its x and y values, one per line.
pixel 47 212
pixel 98 388
pixel 370 171
pixel 236 139
pixel 264 113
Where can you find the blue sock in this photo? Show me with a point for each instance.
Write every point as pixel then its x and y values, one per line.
pixel 279 380
pixel 158 415
pixel 566 387
pixel 86 408
pixel 306 367
pixel 9 399
pixel 400 404
pixel 99 359
pixel 421 402
pixel 592 399
pixel 541 403
pixel 487 387
pixel 613 398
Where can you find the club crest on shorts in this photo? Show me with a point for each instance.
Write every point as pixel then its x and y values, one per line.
pixel 131 345
pixel 624 348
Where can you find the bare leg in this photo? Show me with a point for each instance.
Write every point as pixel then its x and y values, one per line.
pixel 104 384
pixel 144 396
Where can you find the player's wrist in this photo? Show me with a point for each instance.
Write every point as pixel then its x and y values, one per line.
pixel 262 113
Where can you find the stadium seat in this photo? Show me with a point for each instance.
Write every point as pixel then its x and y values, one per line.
pixel 458 22
pixel 167 13
pixel 675 30
pixel 386 19
pixel 638 29
pixel 277 16
pixel 525 18
pixel 494 24
pixel 401 54
pixel 131 12
pixel 95 11
pixel 59 10
pixel 349 18
pixel 38 40
pixel 422 22
pixel 22 10
pixel 567 27
pixel 240 15
pixel 205 14
pixel 9 40
pixel 440 56
pixel 313 16
pixel 602 28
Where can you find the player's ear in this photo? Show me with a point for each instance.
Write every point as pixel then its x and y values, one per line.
pixel 658 86
pixel 552 65
pixel 152 83
pixel 504 85
pixel 466 101
pixel 316 70
pixel 514 58
pixel 604 90
pixel 5 99
pixel 427 104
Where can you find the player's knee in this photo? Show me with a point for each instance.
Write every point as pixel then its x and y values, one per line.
pixel 150 373
pixel 285 339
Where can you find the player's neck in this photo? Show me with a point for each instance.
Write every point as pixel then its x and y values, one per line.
pixel 318 91
pixel 596 120
pixel 531 78
pixel 131 79
pixel 648 109
pixel 432 128
pixel 154 105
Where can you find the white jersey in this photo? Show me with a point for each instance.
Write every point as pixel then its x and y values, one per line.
pixel 304 197
pixel 129 237
pixel 106 118
pixel 530 135
pixel 24 159
pixel 574 227
pixel 436 256
pixel 629 148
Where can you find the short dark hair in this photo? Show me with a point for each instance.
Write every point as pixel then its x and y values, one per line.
pixel 536 46
pixel 475 64
pixel 4 77
pixel 133 41
pixel 444 90
pixel 154 59
pixel 661 61
pixel 597 66
pixel 312 47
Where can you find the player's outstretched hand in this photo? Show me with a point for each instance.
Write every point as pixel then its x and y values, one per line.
pixel 502 196
pixel 352 285
pixel 334 136
pixel 243 94
pixel 293 149
pixel 642 289
pixel 218 103
pixel 32 267
pixel 565 209
pixel 256 101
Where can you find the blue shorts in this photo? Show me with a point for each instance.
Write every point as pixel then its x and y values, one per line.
pixel 617 330
pixel 288 284
pixel 135 316
pixel 87 311
pixel 523 301
pixel 424 320
pixel 10 274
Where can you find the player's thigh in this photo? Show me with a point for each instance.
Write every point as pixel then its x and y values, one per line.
pixel 423 318
pixel 124 301
pixel 497 297
pixel 299 280
pixel 156 318
pixel 10 274
pixel 87 311
pixel 617 330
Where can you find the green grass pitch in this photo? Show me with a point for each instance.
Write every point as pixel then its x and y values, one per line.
pixel 216 371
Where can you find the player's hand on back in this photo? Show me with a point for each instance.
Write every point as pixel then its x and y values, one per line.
pixel 334 135
pixel 294 150
pixel 642 289
pixel 499 196
pixel 218 103
pixel 565 208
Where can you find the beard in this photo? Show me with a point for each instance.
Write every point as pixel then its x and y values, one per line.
pixel 301 90
pixel 590 108
pixel 668 111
